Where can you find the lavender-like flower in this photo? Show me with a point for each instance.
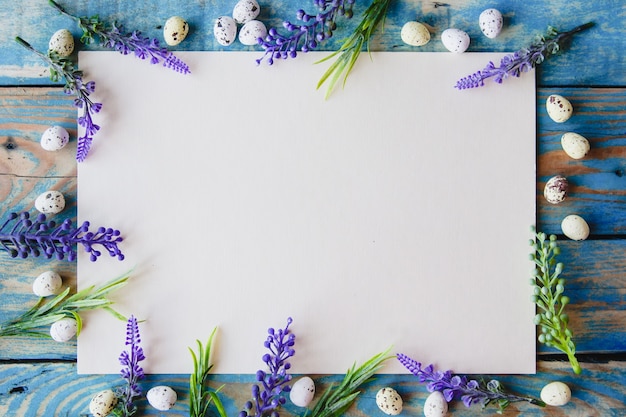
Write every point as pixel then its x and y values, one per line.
pixel 21 237
pixel 267 395
pixel 470 391
pixel 513 65
pixel 112 38
pixel 74 85
pixel 131 370
pixel 308 35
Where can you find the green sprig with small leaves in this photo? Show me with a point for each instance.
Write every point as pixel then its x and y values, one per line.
pixel 337 399
pixel 350 50
pixel 44 313
pixel 549 296
pixel 200 397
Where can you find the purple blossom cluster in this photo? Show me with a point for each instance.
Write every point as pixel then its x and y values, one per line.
pixel 113 38
pixel 267 395
pixel 131 370
pixel 21 237
pixel 306 36
pixel 455 387
pixel 524 60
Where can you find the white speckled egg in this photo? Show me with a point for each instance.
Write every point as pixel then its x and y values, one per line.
pixel 575 227
pixel 63 330
pixel 455 40
pixel 490 22
pixel 50 202
pixel 54 138
pixel 555 190
pixel 389 401
pixel 559 108
pixel 162 397
pixel 103 403
pixel 435 405
pixel 246 10
pixel 302 392
pixel 175 30
pixel 47 283
pixel 62 42
pixel 556 394
pixel 575 146
pixel 251 31
pixel 225 30
pixel 415 34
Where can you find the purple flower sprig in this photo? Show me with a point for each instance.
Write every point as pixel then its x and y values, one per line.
pixel 306 36
pixel 22 237
pixel 74 85
pixel 513 65
pixel 267 395
pixel 131 372
pixel 470 391
pixel 111 37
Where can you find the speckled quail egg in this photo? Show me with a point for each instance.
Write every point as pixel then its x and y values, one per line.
pixel 47 283
pixel 435 405
pixel 575 227
pixel 245 11
pixel 103 403
pixel 175 30
pixel 415 34
pixel 559 108
pixel 251 31
pixel 389 401
pixel 225 30
pixel 62 42
pixel 556 394
pixel 63 330
pixel 54 138
pixel 556 189
pixel 302 392
pixel 161 397
pixel 575 146
pixel 50 202
pixel 490 22
pixel 455 40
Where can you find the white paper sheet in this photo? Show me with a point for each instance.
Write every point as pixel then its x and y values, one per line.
pixel 396 213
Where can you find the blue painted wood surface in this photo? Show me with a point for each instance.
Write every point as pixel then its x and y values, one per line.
pixel 38 377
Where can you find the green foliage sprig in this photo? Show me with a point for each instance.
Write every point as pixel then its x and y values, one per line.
pixel 548 295
pixel 350 50
pixel 44 313
pixel 200 397
pixel 337 399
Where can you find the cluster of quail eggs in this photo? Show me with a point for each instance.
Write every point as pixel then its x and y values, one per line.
pixel 161 398
pixel 244 13
pixel 453 39
pixel 50 283
pixel 576 146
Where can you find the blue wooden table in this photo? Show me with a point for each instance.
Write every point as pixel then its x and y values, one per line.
pixel 38 376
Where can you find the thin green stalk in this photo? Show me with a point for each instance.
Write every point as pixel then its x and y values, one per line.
pixel 200 397
pixel 48 311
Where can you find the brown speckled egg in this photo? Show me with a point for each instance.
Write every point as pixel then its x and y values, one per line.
pixel 225 30
pixel 389 401
pixel 556 189
pixel 103 403
pixel 175 30
pixel 559 108
pixel 62 42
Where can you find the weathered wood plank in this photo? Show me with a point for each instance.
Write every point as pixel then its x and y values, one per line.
pixel 55 389
pixel 598 181
pixel 594 58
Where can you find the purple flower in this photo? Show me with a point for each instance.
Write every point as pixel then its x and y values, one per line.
pixel 513 65
pixel 21 237
pixel 74 85
pixel 456 387
pixel 131 370
pixel 267 395
pixel 308 35
pixel 112 37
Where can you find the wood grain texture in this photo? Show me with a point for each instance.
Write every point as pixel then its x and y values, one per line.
pixel 54 389
pixel 594 58
pixel 598 181
pixel 38 377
